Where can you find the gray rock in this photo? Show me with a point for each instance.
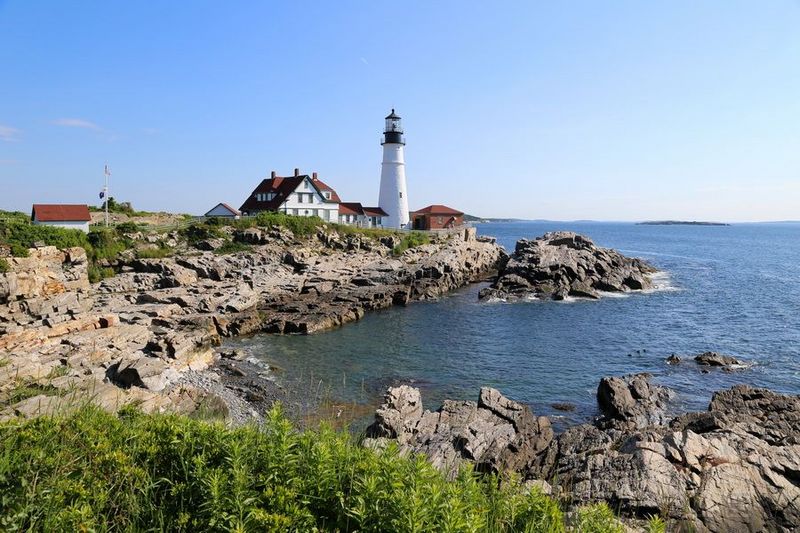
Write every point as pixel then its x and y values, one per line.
pixel 561 264
pixel 716 359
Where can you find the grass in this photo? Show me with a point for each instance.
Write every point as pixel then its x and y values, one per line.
pixel 411 240
pixel 93 471
pixel 24 390
pixel 232 247
pixel 155 253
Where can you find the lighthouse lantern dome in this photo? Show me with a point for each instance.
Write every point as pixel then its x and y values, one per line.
pixel 393 123
pixel 393 134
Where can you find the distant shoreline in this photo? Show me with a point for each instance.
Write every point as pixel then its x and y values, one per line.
pixel 680 223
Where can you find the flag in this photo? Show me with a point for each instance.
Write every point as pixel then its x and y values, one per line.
pixel 106 171
pixel 102 194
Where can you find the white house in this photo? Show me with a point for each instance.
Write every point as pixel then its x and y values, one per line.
pixel 71 216
pixel 300 195
pixel 354 214
pixel 223 210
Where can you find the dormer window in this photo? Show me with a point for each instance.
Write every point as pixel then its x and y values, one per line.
pixel 327 195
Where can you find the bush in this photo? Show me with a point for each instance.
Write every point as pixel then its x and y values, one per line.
pixel 126 227
pixel 598 519
pixel 411 240
pixel 106 244
pixel 22 235
pixel 95 471
pixel 155 253
pixel 299 226
pixel 15 216
pixel 4 266
pixel 195 233
pixel 97 273
pixel 231 247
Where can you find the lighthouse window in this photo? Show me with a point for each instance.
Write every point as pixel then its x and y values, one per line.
pixel 401 194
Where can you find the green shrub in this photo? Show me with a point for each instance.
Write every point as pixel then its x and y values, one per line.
pixel 126 227
pixel 155 253
pixel 97 273
pixel 4 266
pixel 15 216
pixel 22 235
pixel 597 518
pixel 411 240
pixel 106 244
pixel 95 471
pixel 201 231
pixel 298 225
pixel 232 247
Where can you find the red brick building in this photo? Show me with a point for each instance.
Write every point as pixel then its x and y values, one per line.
pixel 436 217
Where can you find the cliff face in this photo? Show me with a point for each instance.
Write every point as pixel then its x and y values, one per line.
pixel 47 287
pixel 131 338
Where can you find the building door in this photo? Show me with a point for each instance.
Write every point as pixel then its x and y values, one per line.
pixel 419 223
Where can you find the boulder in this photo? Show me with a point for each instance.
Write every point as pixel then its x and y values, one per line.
pixel 631 402
pixel 496 434
pixel 716 359
pixel 561 264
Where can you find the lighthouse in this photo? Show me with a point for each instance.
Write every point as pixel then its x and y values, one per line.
pixel 393 197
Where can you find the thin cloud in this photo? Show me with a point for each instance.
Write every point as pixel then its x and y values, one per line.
pixel 8 134
pixel 363 60
pixel 77 123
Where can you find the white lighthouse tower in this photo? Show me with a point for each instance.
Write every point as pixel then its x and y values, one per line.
pixel 393 198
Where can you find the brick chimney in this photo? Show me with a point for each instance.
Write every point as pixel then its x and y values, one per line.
pixel 297 172
pixel 314 176
pixel 272 174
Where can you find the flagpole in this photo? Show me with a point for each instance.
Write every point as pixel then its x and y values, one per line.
pixel 106 174
pixel 105 189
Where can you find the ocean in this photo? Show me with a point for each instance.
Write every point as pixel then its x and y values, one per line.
pixel 732 289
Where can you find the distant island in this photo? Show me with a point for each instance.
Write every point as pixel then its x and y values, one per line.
pixel 679 223
pixel 473 218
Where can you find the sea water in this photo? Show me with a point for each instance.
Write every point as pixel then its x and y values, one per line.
pixel 732 289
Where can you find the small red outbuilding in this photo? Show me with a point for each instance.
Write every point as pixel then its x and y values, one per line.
pixel 436 217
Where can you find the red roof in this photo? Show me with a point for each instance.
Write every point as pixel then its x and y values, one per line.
pixel 61 213
pixel 437 209
pixel 350 208
pixel 375 212
pixel 282 188
pixel 322 187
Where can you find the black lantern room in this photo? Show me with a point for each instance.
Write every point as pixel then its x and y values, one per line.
pixel 393 134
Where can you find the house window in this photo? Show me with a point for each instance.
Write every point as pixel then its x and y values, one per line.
pixel 439 220
pixel 327 195
pixel 270 196
pixel 300 198
pixel 305 185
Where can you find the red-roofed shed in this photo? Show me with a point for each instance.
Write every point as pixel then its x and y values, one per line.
pixel 71 216
pixel 437 217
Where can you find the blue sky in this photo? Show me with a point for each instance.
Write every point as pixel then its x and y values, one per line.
pixel 580 110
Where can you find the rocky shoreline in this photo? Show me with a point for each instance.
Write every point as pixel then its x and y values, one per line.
pixel 734 467
pixel 150 337
pixel 142 336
